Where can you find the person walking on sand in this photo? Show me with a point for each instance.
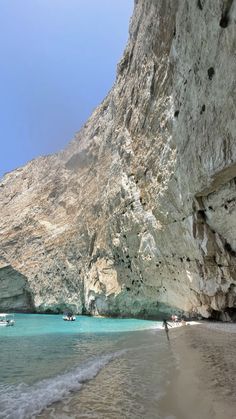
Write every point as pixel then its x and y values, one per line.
pixel 165 325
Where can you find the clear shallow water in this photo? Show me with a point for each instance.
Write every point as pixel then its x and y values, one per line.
pixel 43 324
pixel 133 385
pixel 44 359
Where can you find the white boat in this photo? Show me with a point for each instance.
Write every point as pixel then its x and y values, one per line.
pixel 69 317
pixel 6 319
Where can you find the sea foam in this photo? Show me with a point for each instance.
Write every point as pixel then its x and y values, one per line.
pixel 24 401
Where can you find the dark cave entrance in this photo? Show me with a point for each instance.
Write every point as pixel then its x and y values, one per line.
pixel 228 314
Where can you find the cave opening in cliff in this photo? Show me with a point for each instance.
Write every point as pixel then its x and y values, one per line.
pixel 199 4
pixel 211 72
pixel 229 249
pixel 228 314
pixel 224 21
pixel 231 311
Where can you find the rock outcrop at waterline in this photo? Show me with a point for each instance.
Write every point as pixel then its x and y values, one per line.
pixel 137 215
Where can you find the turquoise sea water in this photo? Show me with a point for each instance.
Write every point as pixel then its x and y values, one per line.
pixel 44 359
pixel 44 324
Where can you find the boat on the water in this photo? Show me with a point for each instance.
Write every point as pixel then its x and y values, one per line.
pixel 6 319
pixel 69 317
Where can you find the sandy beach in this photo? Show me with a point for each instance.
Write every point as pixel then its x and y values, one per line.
pixel 204 384
pixel 193 376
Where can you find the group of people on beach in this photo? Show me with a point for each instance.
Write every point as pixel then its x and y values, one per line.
pixel 175 319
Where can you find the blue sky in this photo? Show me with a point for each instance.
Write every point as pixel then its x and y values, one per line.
pixel 58 61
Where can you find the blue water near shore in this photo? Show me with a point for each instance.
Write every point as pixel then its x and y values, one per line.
pixel 44 358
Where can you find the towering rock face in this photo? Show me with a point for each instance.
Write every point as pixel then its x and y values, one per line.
pixel 137 215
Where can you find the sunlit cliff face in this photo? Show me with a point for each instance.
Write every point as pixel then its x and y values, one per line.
pixel 137 216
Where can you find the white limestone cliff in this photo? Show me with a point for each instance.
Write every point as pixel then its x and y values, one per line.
pixel 137 215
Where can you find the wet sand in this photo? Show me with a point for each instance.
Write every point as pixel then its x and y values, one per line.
pixel 191 377
pixel 204 384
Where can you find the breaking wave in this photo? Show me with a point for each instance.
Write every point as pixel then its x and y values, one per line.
pixel 24 401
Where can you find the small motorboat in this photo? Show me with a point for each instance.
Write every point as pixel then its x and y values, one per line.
pixel 69 317
pixel 6 319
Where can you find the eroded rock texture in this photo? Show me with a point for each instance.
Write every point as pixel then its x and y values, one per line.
pixel 137 216
pixel 14 290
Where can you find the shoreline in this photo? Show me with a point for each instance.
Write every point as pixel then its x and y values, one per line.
pixel 205 377
pixel 216 324
pixel 200 377
pixel 193 375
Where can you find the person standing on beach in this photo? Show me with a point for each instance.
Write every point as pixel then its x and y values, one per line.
pixel 165 325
